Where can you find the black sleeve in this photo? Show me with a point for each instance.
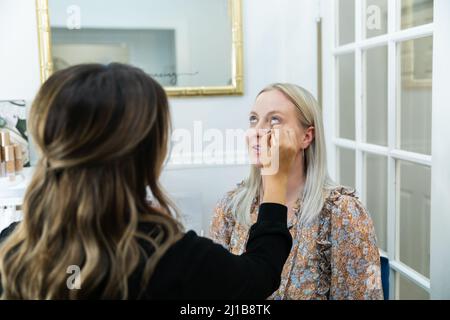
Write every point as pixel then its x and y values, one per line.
pixel 197 268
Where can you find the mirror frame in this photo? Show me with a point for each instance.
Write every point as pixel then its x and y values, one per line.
pixel 236 88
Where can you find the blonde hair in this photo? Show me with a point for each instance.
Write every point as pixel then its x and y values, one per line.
pixel 102 133
pixel 317 184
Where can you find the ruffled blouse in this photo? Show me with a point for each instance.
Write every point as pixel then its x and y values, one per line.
pixel 335 257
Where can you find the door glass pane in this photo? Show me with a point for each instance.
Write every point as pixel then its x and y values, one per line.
pixel 416 13
pixel 346 70
pixel 376 195
pixel 346 18
pixel 408 290
pixel 346 170
pixel 416 95
pixel 414 205
pixel 376 96
pixel 376 19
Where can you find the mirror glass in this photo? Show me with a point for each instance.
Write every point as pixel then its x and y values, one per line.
pixel 180 43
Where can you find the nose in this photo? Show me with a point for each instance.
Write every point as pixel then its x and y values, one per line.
pixel 261 132
pixel 258 130
pixel 261 129
pixel 254 134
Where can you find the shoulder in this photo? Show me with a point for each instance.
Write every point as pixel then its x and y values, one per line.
pixel 224 205
pixel 231 194
pixel 183 266
pixel 347 213
pixel 191 247
pixel 343 202
pixel 224 218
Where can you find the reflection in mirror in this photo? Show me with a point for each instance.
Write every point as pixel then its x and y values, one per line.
pixel 182 44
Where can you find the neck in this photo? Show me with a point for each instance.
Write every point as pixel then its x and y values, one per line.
pixel 296 179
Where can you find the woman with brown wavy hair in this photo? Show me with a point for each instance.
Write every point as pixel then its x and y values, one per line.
pixel 102 132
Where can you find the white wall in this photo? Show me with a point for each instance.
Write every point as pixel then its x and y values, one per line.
pixel 279 45
pixel 19 61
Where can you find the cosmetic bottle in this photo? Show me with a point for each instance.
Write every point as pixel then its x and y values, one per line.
pixel 18 160
pixel 2 166
pixel 4 142
pixel 4 138
pixel 10 165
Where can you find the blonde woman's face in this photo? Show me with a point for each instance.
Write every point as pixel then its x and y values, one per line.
pixel 272 109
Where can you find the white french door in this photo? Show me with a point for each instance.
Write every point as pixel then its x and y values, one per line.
pixel 383 104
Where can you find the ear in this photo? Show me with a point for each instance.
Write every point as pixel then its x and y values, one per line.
pixel 308 138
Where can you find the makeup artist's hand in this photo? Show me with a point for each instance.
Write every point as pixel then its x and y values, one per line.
pixel 277 159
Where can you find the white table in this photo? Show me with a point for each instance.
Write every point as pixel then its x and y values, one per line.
pixel 11 197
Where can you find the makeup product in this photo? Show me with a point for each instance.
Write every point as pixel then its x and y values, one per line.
pixel 4 142
pixel 18 161
pixel 2 166
pixel 10 165
pixel 5 139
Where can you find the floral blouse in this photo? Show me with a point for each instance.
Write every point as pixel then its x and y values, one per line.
pixel 333 258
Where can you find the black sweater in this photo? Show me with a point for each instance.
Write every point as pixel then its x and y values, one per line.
pixel 197 268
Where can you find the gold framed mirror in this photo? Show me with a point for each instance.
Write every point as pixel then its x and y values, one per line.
pixel 193 48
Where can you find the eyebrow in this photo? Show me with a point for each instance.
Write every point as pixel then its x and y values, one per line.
pixel 268 114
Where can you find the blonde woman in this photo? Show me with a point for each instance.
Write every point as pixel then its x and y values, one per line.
pixel 334 253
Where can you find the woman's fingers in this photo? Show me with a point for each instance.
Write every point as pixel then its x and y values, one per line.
pixel 285 142
pixel 265 149
pixel 291 138
pixel 277 150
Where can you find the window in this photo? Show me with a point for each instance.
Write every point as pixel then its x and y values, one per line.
pixel 380 126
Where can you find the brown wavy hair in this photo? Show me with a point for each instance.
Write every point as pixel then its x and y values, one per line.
pixel 102 132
